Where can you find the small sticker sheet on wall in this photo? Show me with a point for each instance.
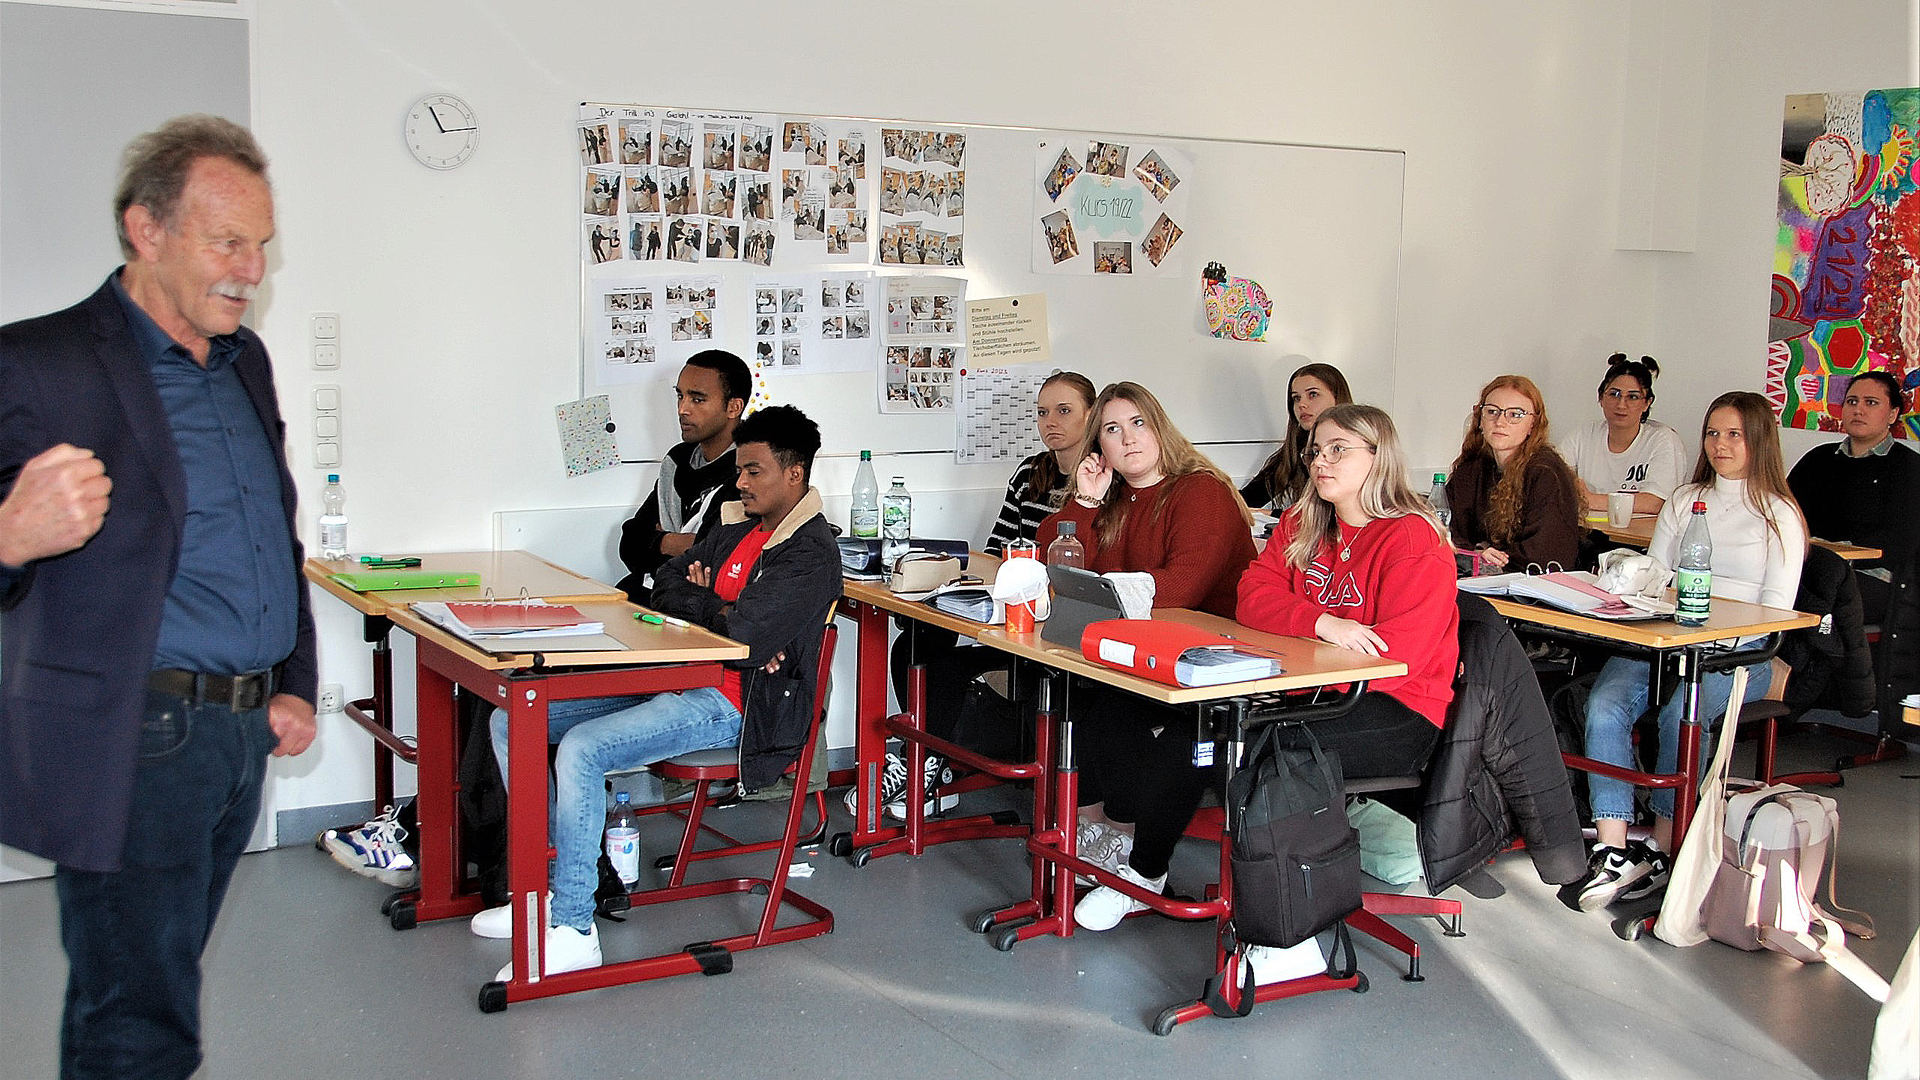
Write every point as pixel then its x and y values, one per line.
pixel 1103 207
pixel 586 435
pixel 924 342
pixel 993 413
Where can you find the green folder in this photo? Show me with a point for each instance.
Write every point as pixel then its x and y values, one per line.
pixel 383 580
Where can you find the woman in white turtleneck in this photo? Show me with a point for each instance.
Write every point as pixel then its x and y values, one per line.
pixel 1759 546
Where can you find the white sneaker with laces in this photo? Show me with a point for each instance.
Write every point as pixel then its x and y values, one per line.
pixel 1272 964
pixel 497 922
pixel 1104 907
pixel 374 850
pixel 567 950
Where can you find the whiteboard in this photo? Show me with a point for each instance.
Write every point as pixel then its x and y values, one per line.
pixel 1318 227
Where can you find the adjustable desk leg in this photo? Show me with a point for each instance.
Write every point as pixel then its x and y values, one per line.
pixel 1688 794
pixel 527 825
pixel 436 807
pixel 383 712
pixel 870 740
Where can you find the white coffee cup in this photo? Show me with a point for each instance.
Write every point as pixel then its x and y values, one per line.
pixel 1620 509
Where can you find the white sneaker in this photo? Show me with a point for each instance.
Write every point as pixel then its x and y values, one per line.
pixel 374 850
pixel 1101 845
pixel 497 922
pixel 1272 964
pixel 567 950
pixel 1104 907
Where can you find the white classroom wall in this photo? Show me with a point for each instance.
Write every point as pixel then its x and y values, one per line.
pixel 1523 123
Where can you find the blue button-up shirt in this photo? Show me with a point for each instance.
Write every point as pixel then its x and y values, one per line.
pixel 231 607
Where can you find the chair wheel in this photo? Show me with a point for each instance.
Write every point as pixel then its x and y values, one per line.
pixel 984 921
pixel 840 845
pixel 493 997
pixel 1005 817
pixel 664 862
pixel 1168 1019
pixel 1360 984
pixel 863 856
pixel 1006 937
pixel 402 916
pixel 759 888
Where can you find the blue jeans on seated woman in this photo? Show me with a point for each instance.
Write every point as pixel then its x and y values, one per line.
pixel 1618 698
pixel 597 736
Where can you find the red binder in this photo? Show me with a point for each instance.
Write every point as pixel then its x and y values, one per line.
pixel 1149 648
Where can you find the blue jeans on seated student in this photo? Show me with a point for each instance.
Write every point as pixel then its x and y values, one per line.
pixel 1619 697
pixel 597 736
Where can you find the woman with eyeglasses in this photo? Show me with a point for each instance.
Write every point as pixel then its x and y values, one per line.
pixel 1515 501
pixel 1310 390
pixel 1759 547
pixel 1145 500
pixel 1626 449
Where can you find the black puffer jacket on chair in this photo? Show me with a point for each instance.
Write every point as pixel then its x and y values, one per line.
pixel 1497 772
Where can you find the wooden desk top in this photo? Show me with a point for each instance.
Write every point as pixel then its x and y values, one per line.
pixel 505 573
pixel 1305 663
pixel 1727 620
pixel 644 643
pixel 1639 533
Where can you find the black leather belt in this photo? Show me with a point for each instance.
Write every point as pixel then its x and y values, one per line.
pixel 238 693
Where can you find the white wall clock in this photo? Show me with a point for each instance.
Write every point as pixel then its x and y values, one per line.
pixel 441 131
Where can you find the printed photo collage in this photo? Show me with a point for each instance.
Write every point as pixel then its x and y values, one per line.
pixel 824 190
pixel 924 344
pixel 676 186
pixel 1134 194
pixel 923 197
pixel 814 323
pixel 648 324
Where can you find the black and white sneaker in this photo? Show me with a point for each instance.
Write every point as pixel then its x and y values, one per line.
pixel 1609 870
pixel 893 784
pixel 937 776
pixel 1654 882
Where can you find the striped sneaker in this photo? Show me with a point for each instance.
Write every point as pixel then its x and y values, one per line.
pixel 374 850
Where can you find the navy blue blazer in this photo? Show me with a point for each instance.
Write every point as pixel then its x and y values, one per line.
pixel 77 631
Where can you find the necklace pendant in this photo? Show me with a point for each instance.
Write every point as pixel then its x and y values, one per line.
pixel 1346 553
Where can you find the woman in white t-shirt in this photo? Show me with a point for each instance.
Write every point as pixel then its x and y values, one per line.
pixel 1624 450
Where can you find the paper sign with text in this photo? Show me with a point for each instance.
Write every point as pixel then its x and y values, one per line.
pixel 1009 330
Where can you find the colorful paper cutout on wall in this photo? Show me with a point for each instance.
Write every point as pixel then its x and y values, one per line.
pixel 1237 308
pixel 1846 273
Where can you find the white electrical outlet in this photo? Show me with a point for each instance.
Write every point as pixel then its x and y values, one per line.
pixel 332 699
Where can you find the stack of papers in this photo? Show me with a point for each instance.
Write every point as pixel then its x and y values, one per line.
pixel 513 619
pixel 1211 666
pixel 1135 590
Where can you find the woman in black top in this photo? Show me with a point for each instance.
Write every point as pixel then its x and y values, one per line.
pixel 1311 390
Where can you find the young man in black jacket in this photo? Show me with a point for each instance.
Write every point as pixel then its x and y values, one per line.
pixel 696 474
pixel 765 576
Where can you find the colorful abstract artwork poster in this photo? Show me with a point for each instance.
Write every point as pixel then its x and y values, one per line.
pixel 1846 272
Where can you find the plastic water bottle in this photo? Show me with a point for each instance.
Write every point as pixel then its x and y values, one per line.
pixel 896 521
pixel 1066 549
pixel 1437 500
pixel 1693 577
pixel 333 519
pixel 623 840
pixel 866 500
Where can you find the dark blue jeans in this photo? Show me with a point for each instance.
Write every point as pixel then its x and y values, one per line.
pixel 134 936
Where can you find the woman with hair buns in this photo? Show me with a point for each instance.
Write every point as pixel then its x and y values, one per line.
pixel 1311 390
pixel 1514 499
pixel 1626 449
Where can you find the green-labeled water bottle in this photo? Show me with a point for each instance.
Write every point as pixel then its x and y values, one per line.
pixel 1693 576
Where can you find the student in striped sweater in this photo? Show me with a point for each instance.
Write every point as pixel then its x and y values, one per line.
pixel 1039 486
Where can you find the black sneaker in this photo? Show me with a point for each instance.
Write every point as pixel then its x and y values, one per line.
pixel 1609 870
pixel 1659 869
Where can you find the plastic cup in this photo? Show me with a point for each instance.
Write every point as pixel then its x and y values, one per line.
pixel 1620 509
pixel 1020 616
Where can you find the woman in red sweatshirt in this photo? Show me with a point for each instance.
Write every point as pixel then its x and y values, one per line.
pixel 1146 500
pixel 1359 562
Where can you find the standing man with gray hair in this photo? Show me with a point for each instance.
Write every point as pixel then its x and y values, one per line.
pixel 155 643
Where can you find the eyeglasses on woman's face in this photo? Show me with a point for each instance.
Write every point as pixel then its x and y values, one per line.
pixel 1333 452
pixel 1631 397
pixel 1490 413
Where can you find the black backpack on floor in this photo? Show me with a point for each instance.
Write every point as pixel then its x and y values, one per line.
pixel 1296 859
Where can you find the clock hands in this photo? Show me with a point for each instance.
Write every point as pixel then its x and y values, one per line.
pixel 434 111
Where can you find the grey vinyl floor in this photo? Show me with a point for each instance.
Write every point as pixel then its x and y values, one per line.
pixel 305 979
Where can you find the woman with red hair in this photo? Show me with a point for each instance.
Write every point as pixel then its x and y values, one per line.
pixel 1514 499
